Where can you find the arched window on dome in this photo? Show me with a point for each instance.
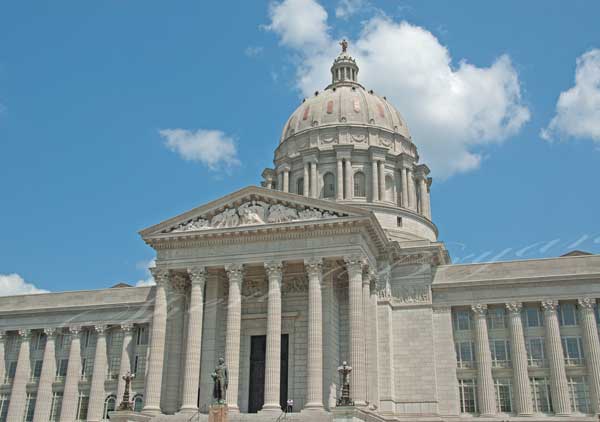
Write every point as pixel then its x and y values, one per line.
pixel 329 185
pixel 300 186
pixel 389 188
pixel 359 185
pixel 110 405
pixel 138 402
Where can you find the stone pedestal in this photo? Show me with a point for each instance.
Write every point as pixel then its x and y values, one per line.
pixel 218 413
pixel 128 416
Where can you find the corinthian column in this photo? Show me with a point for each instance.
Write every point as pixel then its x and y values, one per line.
pixel 125 365
pixel 44 394
pixel 234 325
pixel 370 298
pixel 71 391
pixel 273 352
pixel 314 181
pixel 154 375
pixel 485 381
pixel 374 181
pixel 306 180
pixel 591 346
pixel 404 187
pixel 349 187
pixel 18 395
pixel 193 350
pixel 314 394
pixel 412 194
pixel 340 179
pixel 524 405
pixel 286 180
pixel 354 265
pixel 98 376
pixel 382 181
pixel 558 375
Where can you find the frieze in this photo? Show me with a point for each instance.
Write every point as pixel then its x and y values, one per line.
pixel 407 294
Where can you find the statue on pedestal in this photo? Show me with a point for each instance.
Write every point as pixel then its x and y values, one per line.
pixel 344 372
pixel 221 381
pixel 125 403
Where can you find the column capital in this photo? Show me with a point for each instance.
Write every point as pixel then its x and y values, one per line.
pixel 355 262
pixel 235 272
pixel 161 275
pixel 273 268
pixel 24 333
pixel 74 330
pixel 51 331
pixel 197 275
pixel 127 327
pixel 586 304
pixel 514 307
pixel 479 310
pixel 549 305
pixel 314 266
pixel 100 329
pixel 2 335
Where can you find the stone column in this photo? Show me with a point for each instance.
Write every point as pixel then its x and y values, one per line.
pixel 412 195
pixel 125 365
pixel 374 181
pixel 44 393
pixel 558 375
pixel 306 180
pixel 422 195
pixel 349 178
pixel 370 298
pixel 340 179
pixel 154 376
pixel 193 350
pixel 404 187
pixel 591 346
pixel 232 340
pixel 358 389
pixel 382 181
pixel 314 180
pixel 314 383
pixel 18 395
pixel 98 376
pixel 286 180
pixel 2 356
pixel 522 388
pixel 71 390
pixel 273 352
pixel 485 382
pixel 280 180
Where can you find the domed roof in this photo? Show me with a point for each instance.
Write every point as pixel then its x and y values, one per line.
pixel 345 103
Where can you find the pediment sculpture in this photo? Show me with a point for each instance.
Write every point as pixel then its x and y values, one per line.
pixel 252 213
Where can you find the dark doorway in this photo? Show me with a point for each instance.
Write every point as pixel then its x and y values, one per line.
pixel 258 346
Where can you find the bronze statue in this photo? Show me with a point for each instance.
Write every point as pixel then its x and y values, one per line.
pixel 221 381
pixel 344 372
pixel 125 403
pixel 344 45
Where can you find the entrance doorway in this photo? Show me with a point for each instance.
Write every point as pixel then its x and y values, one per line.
pixel 258 347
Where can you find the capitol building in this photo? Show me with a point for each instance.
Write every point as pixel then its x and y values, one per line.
pixel 335 257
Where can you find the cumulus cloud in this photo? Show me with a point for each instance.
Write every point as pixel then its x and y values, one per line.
pixel 212 148
pixel 578 108
pixel 145 266
pixel 14 284
pixel 347 8
pixel 452 111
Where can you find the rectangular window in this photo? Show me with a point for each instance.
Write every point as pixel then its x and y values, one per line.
pixel 535 352
pixel 500 350
pixel 532 317
pixel 113 367
pixel 39 341
pixel 580 395
pixel 462 320
pixel 573 350
pixel 540 394
pixel 496 318
pixel 30 407
pixel 567 314
pixel 56 405
pixel 503 389
pixel 87 367
pixel 141 336
pixel 139 366
pixel 464 354
pixel 36 370
pixel 468 396
pixel 61 369
pixel 4 400
pixel 11 369
pixel 82 407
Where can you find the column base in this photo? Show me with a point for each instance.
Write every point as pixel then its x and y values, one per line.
pixel 313 407
pixel 151 411
pixel 188 410
pixel 271 407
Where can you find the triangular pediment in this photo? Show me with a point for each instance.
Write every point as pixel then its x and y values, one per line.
pixel 254 207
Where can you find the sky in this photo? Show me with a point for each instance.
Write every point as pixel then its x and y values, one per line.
pixel 117 115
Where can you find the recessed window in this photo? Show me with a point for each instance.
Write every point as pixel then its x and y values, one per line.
pixel 567 314
pixel 300 186
pixel 468 396
pixel 399 221
pixel 359 185
pixel 328 186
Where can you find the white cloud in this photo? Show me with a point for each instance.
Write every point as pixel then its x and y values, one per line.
pixel 14 284
pixel 299 23
pixel 578 108
pixel 212 148
pixel 347 8
pixel 451 111
pixel 148 280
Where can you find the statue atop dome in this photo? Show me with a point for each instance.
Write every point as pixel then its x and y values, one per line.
pixel 344 45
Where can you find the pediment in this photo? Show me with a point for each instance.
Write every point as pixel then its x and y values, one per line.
pixel 253 206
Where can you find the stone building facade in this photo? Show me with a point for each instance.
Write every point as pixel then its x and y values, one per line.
pixel 334 258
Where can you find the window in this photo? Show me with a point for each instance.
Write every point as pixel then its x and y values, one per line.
pixel 139 365
pixel 462 320
pixel 468 396
pixel 3 407
pixel 500 353
pixel 36 370
pixel 389 188
pixel 300 186
pixel 359 185
pixel 535 352
pixel 61 369
pixel 62 342
pixel 503 389
pixel 464 354
pixel 87 367
pixel 532 316
pixel 496 318
pixel 573 350
pixel 138 403
pixel 56 405
pixel 30 407
pixel 11 369
pixel 39 341
pixel 141 335
pixel 540 394
pixel 113 367
pixel 82 407
pixel 109 406
pixel 580 395
pixel 567 314
pixel 328 186
pixel 399 221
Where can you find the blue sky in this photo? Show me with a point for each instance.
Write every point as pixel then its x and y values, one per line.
pixel 117 115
